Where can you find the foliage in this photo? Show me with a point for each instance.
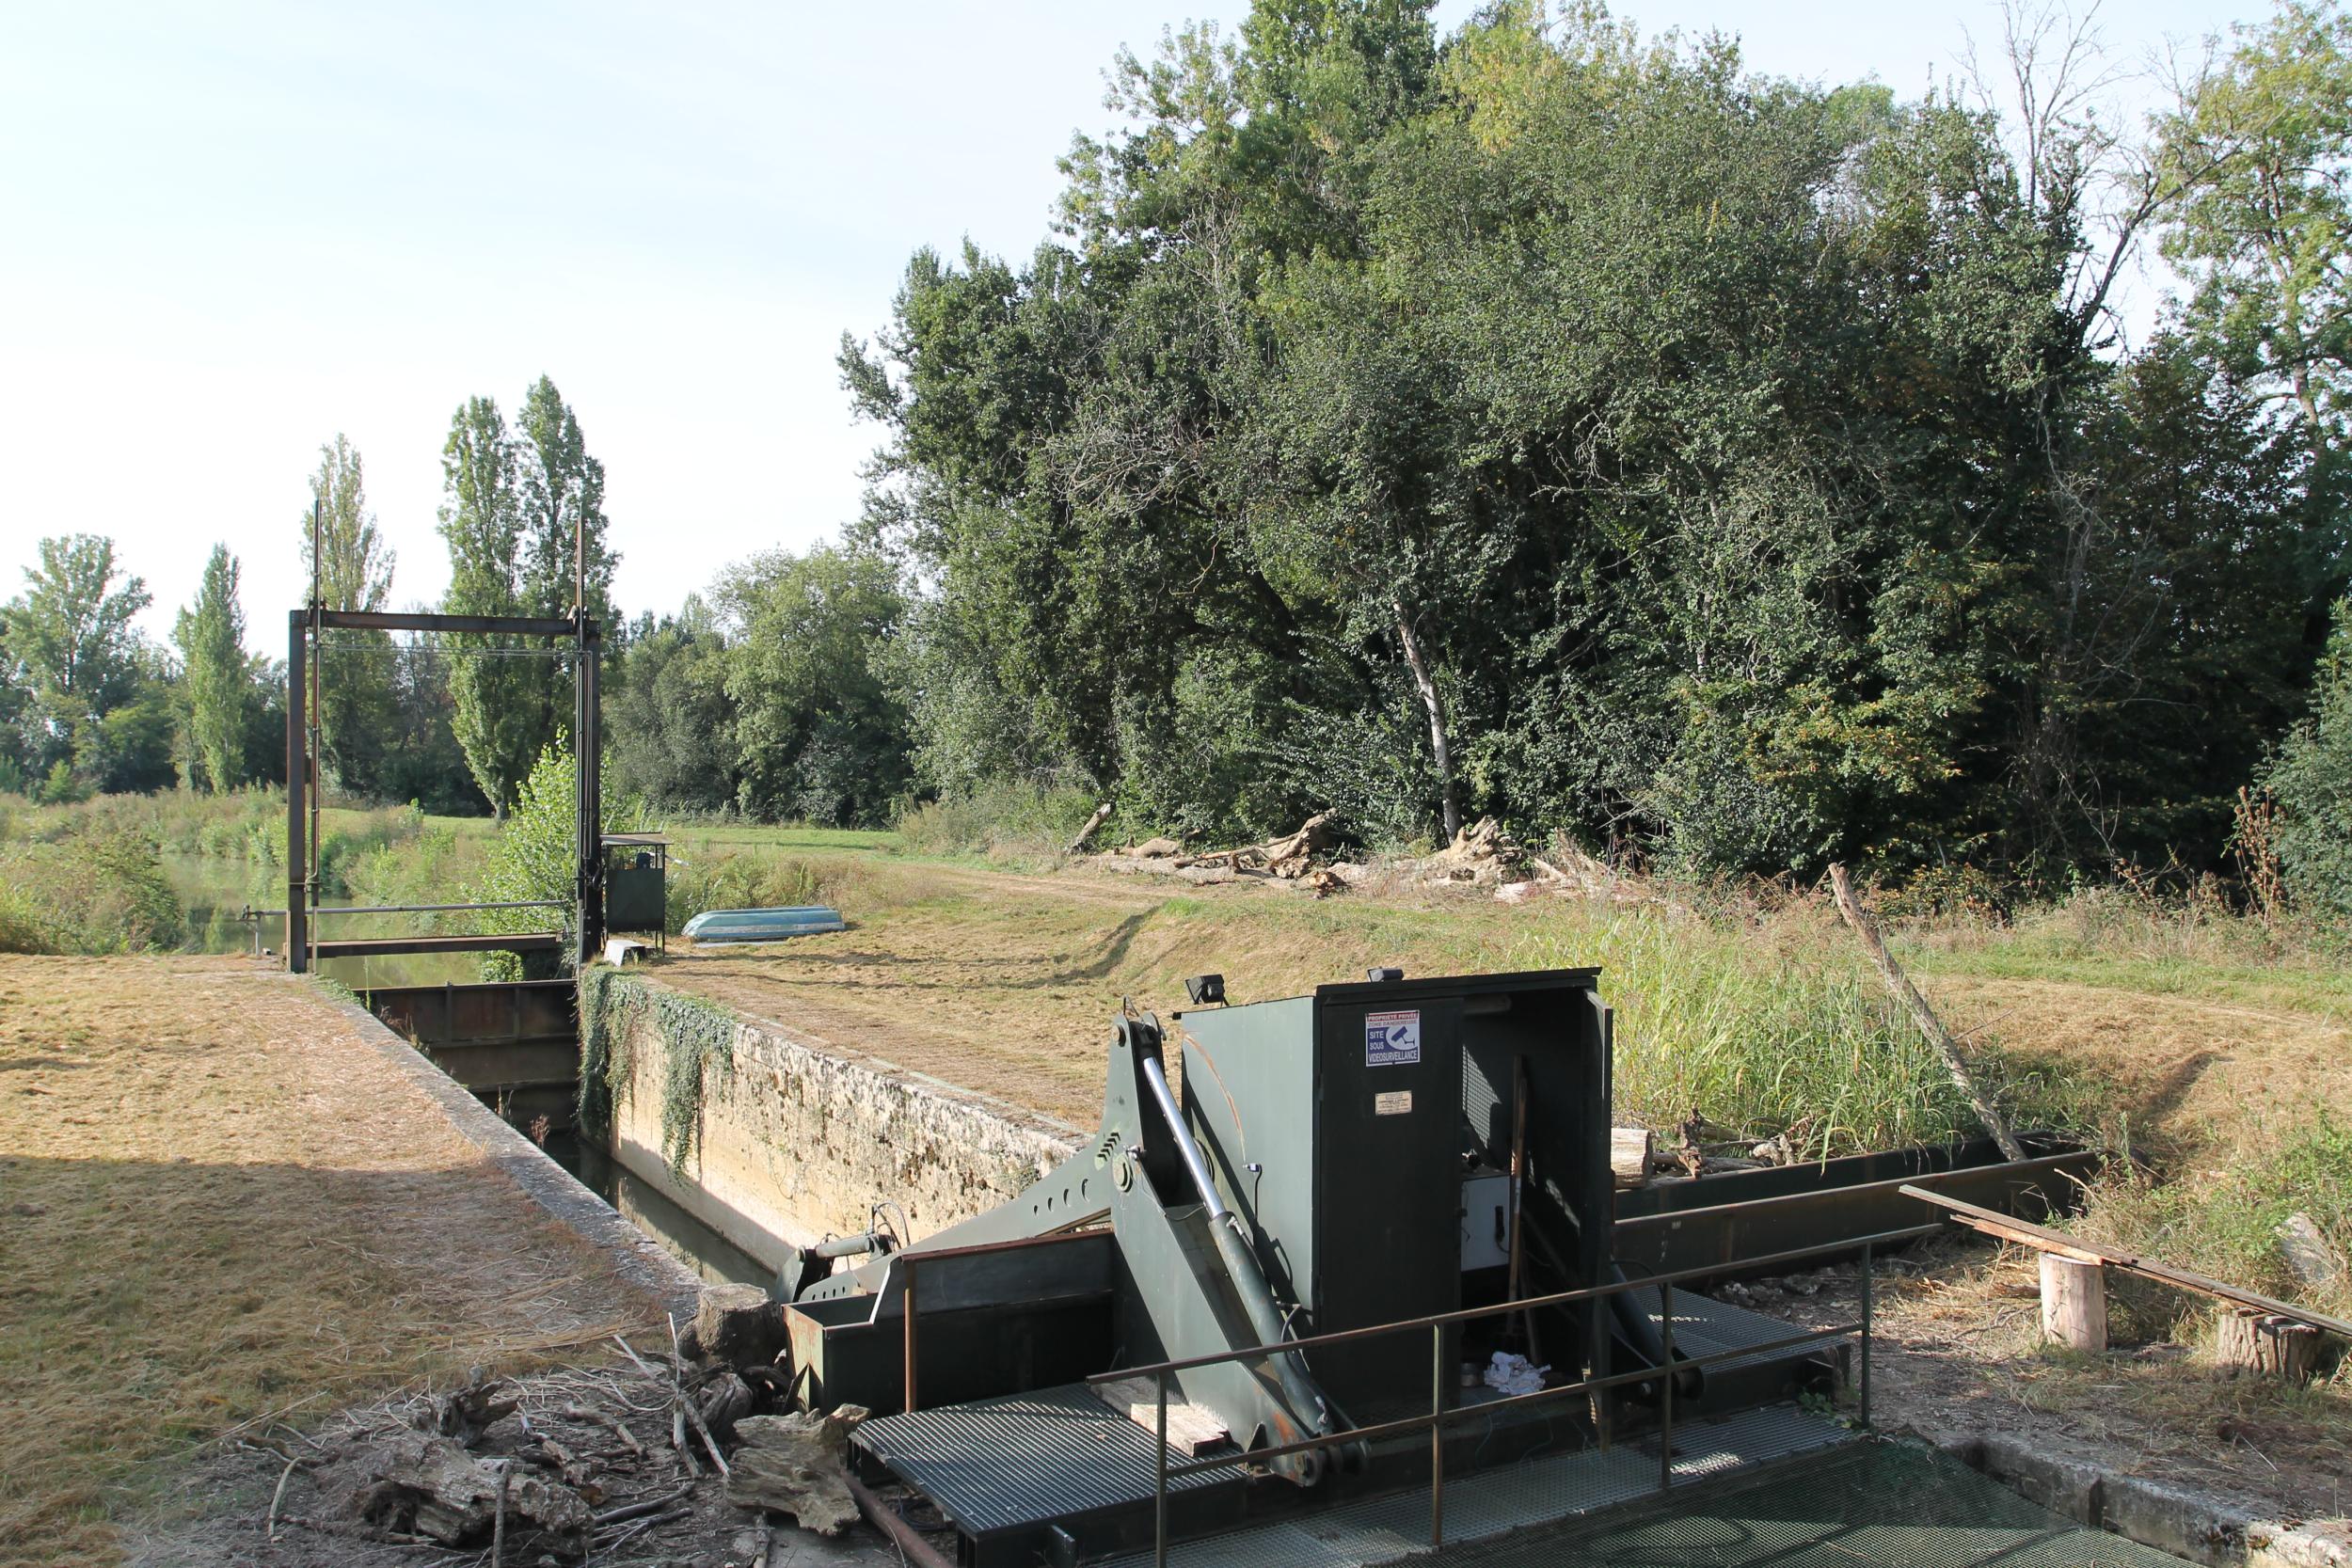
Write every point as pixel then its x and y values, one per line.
pixel 74 653
pixel 351 567
pixel 512 503
pixel 535 856
pixel 1547 423
pixel 2262 147
pixel 214 676
pixel 670 724
pixel 2311 780
pixel 1005 822
pixel 620 1016
pixel 97 890
pixel 818 736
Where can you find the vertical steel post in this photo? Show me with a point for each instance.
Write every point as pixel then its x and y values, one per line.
pixel 1160 1479
pixel 1437 1434
pixel 1868 1279
pixel 297 766
pixel 1666 1389
pixel 1597 1318
pixel 906 1261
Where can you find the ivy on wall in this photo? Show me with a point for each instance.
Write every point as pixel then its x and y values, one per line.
pixel 694 1036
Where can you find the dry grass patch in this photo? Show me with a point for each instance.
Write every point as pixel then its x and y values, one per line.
pixel 221 1206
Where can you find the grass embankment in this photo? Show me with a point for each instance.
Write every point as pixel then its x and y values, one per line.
pixel 220 1205
pixel 1003 983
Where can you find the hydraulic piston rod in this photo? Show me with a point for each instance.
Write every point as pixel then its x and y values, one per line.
pixel 1241 1267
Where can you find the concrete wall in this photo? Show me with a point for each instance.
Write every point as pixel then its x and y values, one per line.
pixel 797 1139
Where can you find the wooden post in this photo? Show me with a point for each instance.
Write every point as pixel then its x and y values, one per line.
pixel 1629 1156
pixel 2247 1341
pixel 1930 1025
pixel 2073 1303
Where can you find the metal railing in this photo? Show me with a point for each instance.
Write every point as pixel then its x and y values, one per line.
pixel 1440 1416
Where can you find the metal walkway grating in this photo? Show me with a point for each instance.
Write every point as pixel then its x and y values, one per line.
pixel 1492 1503
pixel 1002 1463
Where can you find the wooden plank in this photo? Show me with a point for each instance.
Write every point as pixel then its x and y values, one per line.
pixel 1193 1430
pixel 2076 1248
pixel 362 947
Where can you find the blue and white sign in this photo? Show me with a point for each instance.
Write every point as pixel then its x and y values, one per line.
pixel 1391 1039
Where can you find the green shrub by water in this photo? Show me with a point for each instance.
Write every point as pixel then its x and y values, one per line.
pixel 99 889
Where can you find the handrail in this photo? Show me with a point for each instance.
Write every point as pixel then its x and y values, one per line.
pixel 1436 1421
pixel 1525 1304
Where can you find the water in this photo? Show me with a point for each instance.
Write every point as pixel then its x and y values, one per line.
pixel 215 891
pixel 711 1256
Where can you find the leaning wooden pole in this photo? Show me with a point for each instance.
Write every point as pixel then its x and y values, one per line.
pixel 1930 1025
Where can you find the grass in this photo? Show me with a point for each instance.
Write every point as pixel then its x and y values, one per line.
pixel 208 1229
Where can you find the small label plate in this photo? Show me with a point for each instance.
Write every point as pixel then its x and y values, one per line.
pixel 1396 1102
pixel 1391 1039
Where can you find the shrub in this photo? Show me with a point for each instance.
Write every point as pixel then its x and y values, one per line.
pixel 1004 822
pixel 2310 779
pixel 102 890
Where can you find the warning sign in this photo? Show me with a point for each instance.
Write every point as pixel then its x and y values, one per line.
pixel 1391 1039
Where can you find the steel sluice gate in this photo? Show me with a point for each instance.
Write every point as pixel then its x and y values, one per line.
pixel 1375 1153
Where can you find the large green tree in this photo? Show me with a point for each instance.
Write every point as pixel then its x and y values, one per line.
pixel 567 557
pixel 78 657
pixel 818 736
pixel 215 675
pixel 1545 422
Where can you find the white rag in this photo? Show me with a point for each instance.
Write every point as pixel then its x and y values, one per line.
pixel 1514 1374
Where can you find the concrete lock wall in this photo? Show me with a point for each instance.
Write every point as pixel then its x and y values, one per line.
pixel 794 1139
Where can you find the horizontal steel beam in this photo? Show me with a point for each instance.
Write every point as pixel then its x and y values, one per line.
pixel 385 620
pixel 365 947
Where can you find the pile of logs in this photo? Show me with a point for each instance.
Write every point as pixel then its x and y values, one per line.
pixel 1289 858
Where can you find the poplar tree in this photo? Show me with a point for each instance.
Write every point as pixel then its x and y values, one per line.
pixel 353 569
pixel 214 676
pixel 501 711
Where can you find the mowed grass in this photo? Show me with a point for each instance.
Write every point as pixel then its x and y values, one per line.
pixel 221 1206
pixel 1005 983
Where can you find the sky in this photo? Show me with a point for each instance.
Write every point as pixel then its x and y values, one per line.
pixel 230 233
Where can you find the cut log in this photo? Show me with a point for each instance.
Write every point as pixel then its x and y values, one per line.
pixel 737 1325
pixel 2073 1303
pixel 1156 849
pixel 1193 1430
pixel 1841 887
pixel 794 1464
pixel 430 1486
pixel 1293 854
pixel 1101 815
pixel 2310 1256
pixel 2246 1341
pixel 1629 1156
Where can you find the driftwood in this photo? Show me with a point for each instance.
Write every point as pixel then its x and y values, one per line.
pixel 1094 823
pixel 2249 1340
pixel 722 1402
pixel 430 1486
pixel 793 1464
pixel 1908 994
pixel 468 1412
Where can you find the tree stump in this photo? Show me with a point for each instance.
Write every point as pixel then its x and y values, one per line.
pixel 2073 1303
pixel 2247 1341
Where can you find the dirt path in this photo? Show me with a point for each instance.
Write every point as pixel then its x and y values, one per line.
pixel 219 1204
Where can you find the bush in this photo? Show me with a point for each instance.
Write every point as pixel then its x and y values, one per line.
pixel 97 891
pixel 2310 779
pixel 1008 821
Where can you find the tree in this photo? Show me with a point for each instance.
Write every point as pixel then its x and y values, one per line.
pixel 501 715
pixel 216 677
pixel 561 495
pixel 2263 139
pixel 671 726
pixel 818 736
pixel 70 636
pixel 352 570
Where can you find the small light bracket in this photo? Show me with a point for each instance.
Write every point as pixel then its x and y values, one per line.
pixel 1206 991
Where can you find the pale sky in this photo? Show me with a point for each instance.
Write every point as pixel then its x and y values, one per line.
pixel 229 231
